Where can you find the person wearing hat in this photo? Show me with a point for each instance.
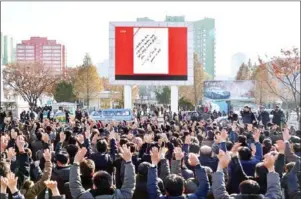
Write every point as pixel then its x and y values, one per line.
pixel 278 116
pixel 263 116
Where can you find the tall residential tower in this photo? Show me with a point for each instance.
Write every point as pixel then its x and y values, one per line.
pixel 47 52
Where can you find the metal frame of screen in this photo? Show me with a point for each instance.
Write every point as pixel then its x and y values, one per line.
pixel 135 80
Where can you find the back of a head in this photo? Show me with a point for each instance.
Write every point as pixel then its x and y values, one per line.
pixel 206 150
pixel 101 146
pixel 62 157
pixel 249 187
pixel 174 185
pixel 191 185
pixel 242 139
pixel 102 180
pixel 87 168
pixel 245 153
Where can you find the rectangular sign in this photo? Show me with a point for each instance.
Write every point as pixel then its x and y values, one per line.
pixel 229 90
pixel 151 53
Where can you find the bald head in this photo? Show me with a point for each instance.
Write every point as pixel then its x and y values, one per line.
pixel 206 150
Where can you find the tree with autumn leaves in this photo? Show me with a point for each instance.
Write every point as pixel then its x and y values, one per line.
pixel 30 80
pixel 87 83
pixel 285 69
pixel 194 93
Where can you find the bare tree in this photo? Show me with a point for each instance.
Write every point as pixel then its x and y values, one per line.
pixel 30 80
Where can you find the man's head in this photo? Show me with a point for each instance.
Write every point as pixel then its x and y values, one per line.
pixel 277 108
pixel 102 180
pixel 87 168
pixel 174 185
pixel 101 146
pixel 62 158
pixel 262 108
pixel 245 153
pixel 206 150
pixel 249 187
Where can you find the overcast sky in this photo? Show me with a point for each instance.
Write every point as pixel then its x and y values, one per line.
pixel 255 28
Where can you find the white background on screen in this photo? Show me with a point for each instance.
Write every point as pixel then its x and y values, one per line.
pixel 150 50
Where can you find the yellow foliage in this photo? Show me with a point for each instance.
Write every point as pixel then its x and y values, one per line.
pixel 87 82
pixel 194 93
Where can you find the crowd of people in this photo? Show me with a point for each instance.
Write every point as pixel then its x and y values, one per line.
pixel 145 159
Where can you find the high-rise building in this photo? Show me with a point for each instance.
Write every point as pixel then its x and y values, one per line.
pixel 204 43
pixel 8 50
pixel 236 61
pixel 44 51
pixel 103 69
pixel 144 19
pixel 174 18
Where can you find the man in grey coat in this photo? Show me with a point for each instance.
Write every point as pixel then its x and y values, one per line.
pixel 102 181
pixel 248 188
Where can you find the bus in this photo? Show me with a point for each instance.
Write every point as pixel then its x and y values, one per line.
pixel 112 115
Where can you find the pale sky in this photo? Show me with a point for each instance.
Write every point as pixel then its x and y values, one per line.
pixel 255 28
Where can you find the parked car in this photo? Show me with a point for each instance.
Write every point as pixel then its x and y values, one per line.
pixel 216 93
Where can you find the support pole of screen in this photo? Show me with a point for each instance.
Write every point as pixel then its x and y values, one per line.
pixel 127 96
pixel 174 95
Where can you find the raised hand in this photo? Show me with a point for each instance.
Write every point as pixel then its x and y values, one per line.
pixel 269 160
pixel 50 184
pixel 126 153
pixel 3 183
pixel 188 139
pixel 179 154
pixel 11 182
pixel 47 155
pixel 80 155
pixel 280 146
pixel 193 159
pixel 20 142
pixel 224 159
pixel 286 135
pixel 253 149
pixel 256 135
pixel 62 137
pixel 155 155
pixel 80 138
pixel 224 135
pixel 235 148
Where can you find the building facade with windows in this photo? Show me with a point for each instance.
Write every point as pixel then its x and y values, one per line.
pixel 44 51
pixel 8 50
pixel 204 44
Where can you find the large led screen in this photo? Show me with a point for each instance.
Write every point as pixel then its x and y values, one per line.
pixel 151 53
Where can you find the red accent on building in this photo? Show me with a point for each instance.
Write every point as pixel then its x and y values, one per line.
pixel 47 52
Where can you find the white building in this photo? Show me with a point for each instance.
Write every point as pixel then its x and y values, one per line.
pixel 236 62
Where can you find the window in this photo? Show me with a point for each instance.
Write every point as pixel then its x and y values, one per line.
pixel 21 58
pixel 56 58
pixel 20 47
pixel 46 47
pixel 56 47
pixel 56 51
pixel 29 51
pixel 47 51
pixel 56 62
pixel 29 58
pixel 46 58
pixel 29 47
pixel 56 54
pixel 108 113
pixel 47 62
pixel 29 54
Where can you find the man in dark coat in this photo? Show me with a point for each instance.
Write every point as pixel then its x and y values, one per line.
pixel 278 116
pixel 248 116
pixel 264 116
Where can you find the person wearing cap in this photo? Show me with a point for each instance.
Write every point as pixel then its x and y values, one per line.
pixel 278 116
pixel 263 116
